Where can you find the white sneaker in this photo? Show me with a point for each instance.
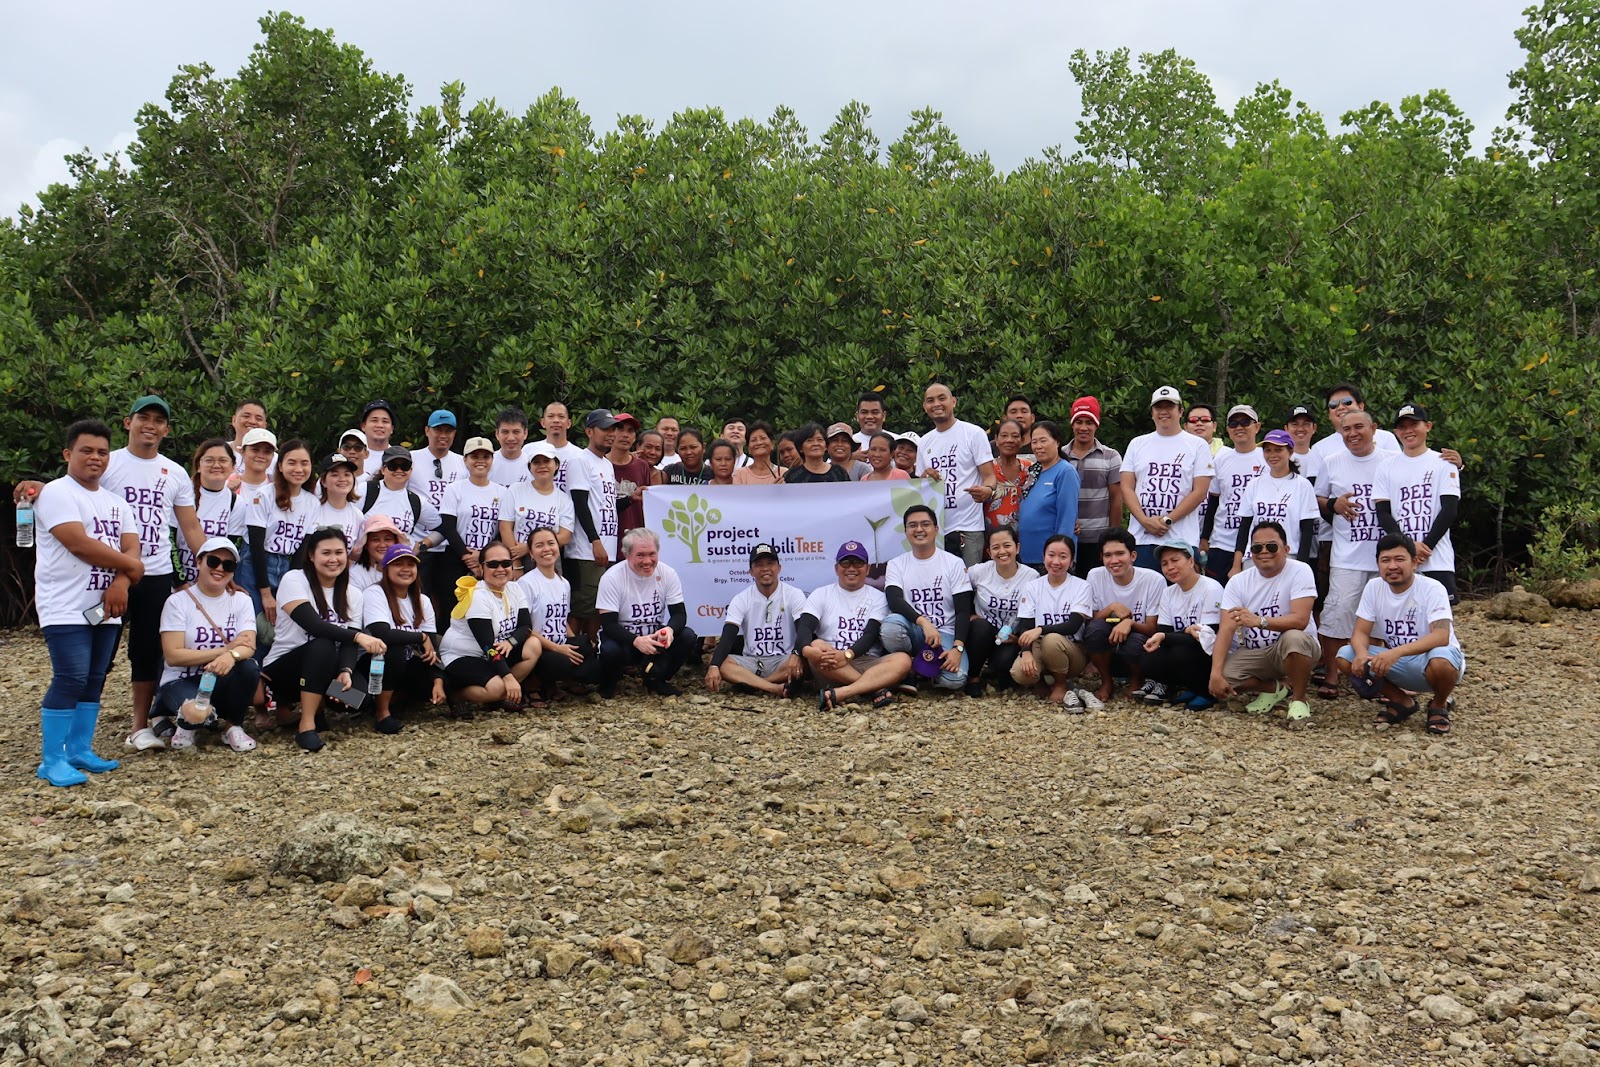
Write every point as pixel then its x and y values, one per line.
pixel 182 740
pixel 144 740
pixel 1071 704
pixel 1090 701
pixel 238 740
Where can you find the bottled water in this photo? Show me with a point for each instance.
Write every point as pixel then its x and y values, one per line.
pixel 202 698
pixel 25 524
pixel 375 676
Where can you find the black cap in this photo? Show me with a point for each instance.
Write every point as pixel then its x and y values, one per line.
pixel 764 551
pixel 396 452
pixel 1411 411
pixel 378 405
pixel 600 418
pixel 1299 410
pixel 338 459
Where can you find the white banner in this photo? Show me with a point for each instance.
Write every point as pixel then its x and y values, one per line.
pixel 707 532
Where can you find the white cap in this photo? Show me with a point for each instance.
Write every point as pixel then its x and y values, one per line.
pixel 1244 409
pixel 543 448
pixel 1165 395
pixel 357 434
pixel 910 435
pixel 218 544
pixel 259 436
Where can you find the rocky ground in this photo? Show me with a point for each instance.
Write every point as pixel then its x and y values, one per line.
pixel 725 879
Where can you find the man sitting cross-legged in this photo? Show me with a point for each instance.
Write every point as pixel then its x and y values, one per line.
pixel 838 632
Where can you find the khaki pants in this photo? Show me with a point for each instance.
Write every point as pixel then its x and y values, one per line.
pixel 1266 664
pixel 1058 656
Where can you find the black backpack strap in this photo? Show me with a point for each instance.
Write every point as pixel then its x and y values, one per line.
pixel 373 488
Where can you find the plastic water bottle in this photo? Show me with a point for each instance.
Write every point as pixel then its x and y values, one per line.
pixel 25 524
pixel 202 699
pixel 1005 633
pixel 375 676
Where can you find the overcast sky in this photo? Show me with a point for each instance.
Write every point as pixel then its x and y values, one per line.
pixel 74 74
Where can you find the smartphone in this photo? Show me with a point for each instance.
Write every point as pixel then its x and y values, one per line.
pixel 96 615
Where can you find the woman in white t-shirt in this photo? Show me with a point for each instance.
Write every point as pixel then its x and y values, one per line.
pixel 278 520
pixel 209 628
pixel 490 646
pixel 88 556
pixel 469 513
pixel 536 503
pixel 1051 611
pixel 996 589
pixel 378 533
pixel 258 451
pixel 1281 495
pixel 564 656
pixel 319 638
pixel 396 613
pixel 340 506
pixel 215 506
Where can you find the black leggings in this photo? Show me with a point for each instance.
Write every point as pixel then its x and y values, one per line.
pixel 406 678
pixel 1180 663
pixel 554 668
pixel 982 651
pixel 310 668
pixel 142 623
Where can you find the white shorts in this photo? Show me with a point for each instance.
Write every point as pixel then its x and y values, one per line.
pixel 1344 596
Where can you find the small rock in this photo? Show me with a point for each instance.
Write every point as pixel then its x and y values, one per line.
pixel 1413 874
pixel 1078 894
pixel 802 996
pixel 1076 1025
pixel 299 1009
pixel 240 869
pixel 772 943
pixel 1590 882
pixel 533 1057
pixel 1356 1025
pixel 1147 819
pixel 1572 1054
pixel 1503 1003
pixel 1443 1008
pixel 432 994
pixel 361 892
pixel 1342 876
pixel 717 992
pixel 431 885
pixel 485 942
pixel 560 959
pixel 122 894
pixel 1519 605
pixel 995 933
pixel 624 949
pixel 332 846
pixel 907 1009
pixel 1584 595
pixel 687 946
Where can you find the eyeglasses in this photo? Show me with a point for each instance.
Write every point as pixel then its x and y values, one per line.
pixel 1234 424
pixel 918 526
pixel 402 467
pixel 496 564
pixel 1335 405
pixel 1194 419
pixel 221 563
pixel 350 444
pixel 1264 549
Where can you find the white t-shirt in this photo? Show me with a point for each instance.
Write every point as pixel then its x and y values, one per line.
pixel 151 488
pixel 640 601
pixel 1142 594
pixel 348 518
pixel 373 467
pixel 1289 501
pixel 501 611
pixel 1164 470
pixel 1355 542
pixel 363 578
pixel 64 585
pixel 549 603
pixel 1413 486
pixel 396 503
pixel 430 486
pixel 288 635
pixel 476 509
pixel 1234 473
pixel 595 475
pixel 956 454
pixel 1201 606
pixel 233 614
pixel 766 623
pixel 931 584
pixel 510 472
pixel 995 597
pixel 1399 619
pixel 1270 598
pixel 220 514
pixel 375 608
pixel 1050 605
pixel 527 509
pixel 284 529
pixel 842 617
pixel 570 454
pixel 1314 469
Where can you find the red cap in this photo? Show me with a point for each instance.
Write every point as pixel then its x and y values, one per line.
pixel 1085 405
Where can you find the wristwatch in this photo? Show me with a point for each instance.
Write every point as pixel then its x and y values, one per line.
pixel 234 652
pixel 960 646
pixel 849 654
pixel 1167 520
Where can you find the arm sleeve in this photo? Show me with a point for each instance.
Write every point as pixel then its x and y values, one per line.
pixel 1164 628
pixel 900 605
pixel 611 626
pixel 964 603
pixel 580 508
pixel 391 635
pixel 730 634
pixel 677 618
pixel 1386 518
pixel 258 556
pixel 483 633
pixel 805 630
pixel 1442 521
pixel 1023 625
pixel 869 638
pixel 1066 629
pixel 447 526
pixel 524 628
pixel 1308 538
pixel 306 617
pixel 1213 505
pixel 1242 545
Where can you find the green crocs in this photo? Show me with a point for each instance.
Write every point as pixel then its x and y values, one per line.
pixel 1299 711
pixel 1267 701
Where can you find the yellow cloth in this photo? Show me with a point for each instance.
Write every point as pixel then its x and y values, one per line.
pixel 464 589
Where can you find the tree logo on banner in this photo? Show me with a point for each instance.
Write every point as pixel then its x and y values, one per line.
pixel 686 520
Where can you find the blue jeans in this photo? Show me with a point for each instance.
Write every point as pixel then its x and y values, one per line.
pixel 898 635
pixel 1408 671
pixel 231 697
pixel 79 659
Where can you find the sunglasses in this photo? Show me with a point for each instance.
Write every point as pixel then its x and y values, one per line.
pixel 496 564
pixel 1235 424
pixel 1193 419
pixel 403 468
pixel 1335 405
pixel 1264 550
pixel 222 563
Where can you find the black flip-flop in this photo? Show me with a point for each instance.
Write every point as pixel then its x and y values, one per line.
pixel 883 698
pixel 828 700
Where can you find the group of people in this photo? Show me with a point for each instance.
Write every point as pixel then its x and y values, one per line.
pixel 293 580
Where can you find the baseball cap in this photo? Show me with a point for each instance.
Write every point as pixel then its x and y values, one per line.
pixel 357 434
pixel 218 544
pixel 1165 395
pixel 545 449
pixel 911 437
pixel 259 436
pixel 396 452
pixel 477 444
pixel 763 551
pixel 1411 411
pixel 398 551
pixel 376 522
pixel 623 416
pixel 1278 437
pixel 1244 409
pixel 852 550
pixel 599 418
pixel 376 405
pixel 926 664
pixel 1301 411
pixel 150 401
pixel 1085 405
pixel 840 428
pixel 338 459
pixel 1176 546
pixel 442 417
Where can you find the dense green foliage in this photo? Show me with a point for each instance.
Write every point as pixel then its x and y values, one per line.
pixel 295 233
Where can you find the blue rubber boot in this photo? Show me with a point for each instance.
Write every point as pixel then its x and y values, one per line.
pixel 81 736
pixel 53 766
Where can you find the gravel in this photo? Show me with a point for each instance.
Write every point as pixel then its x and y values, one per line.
pixel 724 879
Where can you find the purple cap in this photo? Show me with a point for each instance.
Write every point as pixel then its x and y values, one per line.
pixel 852 550
pixel 926 663
pixel 402 551
pixel 1278 437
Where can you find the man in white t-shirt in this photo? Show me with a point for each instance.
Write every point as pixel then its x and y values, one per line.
pixel 930 602
pixel 960 455
pixel 763 616
pixel 432 469
pixel 247 415
pixel 377 421
pixel 870 415
pixel 592 484
pixel 837 634
pixel 667 427
pixel 1165 478
pixel 510 466
pixel 556 422
pixel 1417 493
pixel 1408 614
pixel 89 554
pixel 1267 636
pixel 1126 600
pixel 643 620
